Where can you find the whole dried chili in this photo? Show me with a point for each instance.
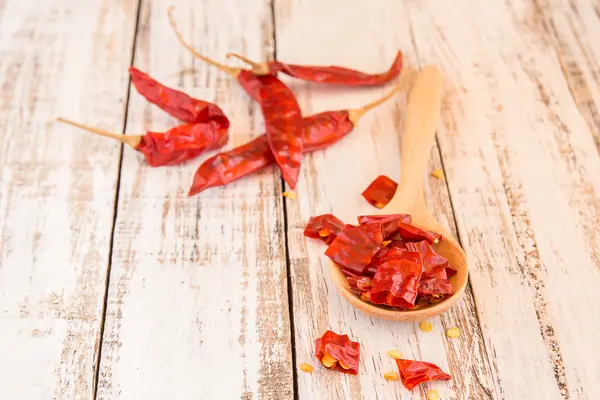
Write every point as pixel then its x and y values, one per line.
pixel 325 227
pixel 176 103
pixel 333 75
pixel 280 109
pixel 380 191
pixel 179 144
pixel 413 373
pixel 320 131
pixel 338 352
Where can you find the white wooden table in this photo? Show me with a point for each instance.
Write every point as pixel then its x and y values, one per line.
pixel 116 285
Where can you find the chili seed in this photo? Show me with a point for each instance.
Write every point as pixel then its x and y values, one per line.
pixel 328 361
pixel 343 365
pixel 395 354
pixel 306 367
pixel 425 326
pixel 379 205
pixel 323 233
pixel 453 333
pixel 386 242
pixel 391 376
pixel 438 173
pixel 433 395
pixel 290 195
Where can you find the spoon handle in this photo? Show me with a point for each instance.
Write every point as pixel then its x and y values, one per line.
pixel 422 115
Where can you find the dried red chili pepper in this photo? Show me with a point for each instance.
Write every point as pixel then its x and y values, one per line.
pixel 176 103
pixel 320 131
pixel 411 233
pixel 325 227
pixel 338 352
pixel 413 373
pixel 434 280
pixel 380 191
pixel 355 246
pixel 179 144
pixel 388 223
pixel 396 281
pixel 332 75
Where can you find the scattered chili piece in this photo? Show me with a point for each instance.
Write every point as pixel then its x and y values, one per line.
pixel 333 75
pixel 425 326
pixel 391 376
pixel 325 227
pixel 414 373
pixel 355 246
pixel 338 352
pixel 380 191
pixel 176 103
pixel 289 195
pixel 179 144
pixel 320 130
pixel 438 173
pixel 306 367
pixel 396 354
pixel 453 332
pixel 433 395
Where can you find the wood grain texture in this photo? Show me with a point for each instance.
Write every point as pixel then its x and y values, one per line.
pixel 523 172
pixel 57 188
pixel 364 36
pixel 197 305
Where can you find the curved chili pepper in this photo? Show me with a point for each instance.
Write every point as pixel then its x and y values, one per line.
pixel 380 191
pixel 176 103
pixel 338 352
pixel 325 227
pixel 175 146
pixel 333 75
pixel 413 373
pixel 320 131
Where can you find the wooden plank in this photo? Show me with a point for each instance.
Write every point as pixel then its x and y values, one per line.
pixel 197 305
pixel 332 180
pixel 57 187
pixel 524 176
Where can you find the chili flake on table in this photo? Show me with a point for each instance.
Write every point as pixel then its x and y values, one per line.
pixel 413 373
pixel 338 352
pixel 380 191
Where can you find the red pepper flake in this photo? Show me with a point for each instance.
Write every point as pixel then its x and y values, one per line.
pixel 413 373
pixel 434 281
pixel 355 246
pixel 389 223
pixel 411 233
pixel 338 352
pixel 380 191
pixel 396 281
pixel 333 75
pixel 325 227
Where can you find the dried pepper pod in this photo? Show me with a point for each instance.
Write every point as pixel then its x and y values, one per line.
pixel 177 103
pixel 380 191
pixel 413 373
pixel 319 131
pixel 338 352
pixel 325 227
pixel 179 144
pixel 355 246
pixel 332 75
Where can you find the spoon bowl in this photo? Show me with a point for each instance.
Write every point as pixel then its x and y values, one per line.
pixel 422 115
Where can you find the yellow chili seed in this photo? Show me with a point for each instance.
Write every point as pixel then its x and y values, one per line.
pixel 323 233
pixel 386 242
pixel 453 333
pixel 438 173
pixel 328 361
pixel 395 354
pixel 290 195
pixel 391 376
pixel 343 365
pixel 306 367
pixel 433 395
pixel 425 326
pixel 378 204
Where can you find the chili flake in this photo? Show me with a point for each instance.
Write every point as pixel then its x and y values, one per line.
pixel 325 227
pixel 338 352
pixel 380 191
pixel 413 373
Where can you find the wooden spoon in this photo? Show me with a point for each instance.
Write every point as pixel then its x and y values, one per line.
pixel 422 115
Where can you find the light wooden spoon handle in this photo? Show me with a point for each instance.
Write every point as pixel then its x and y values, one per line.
pixel 422 115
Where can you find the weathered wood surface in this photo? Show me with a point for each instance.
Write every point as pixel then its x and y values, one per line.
pixel 198 294
pixel 197 305
pixel 57 188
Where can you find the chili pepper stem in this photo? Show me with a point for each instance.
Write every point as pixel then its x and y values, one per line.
pixel 132 141
pixel 405 77
pixel 233 72
pixel 257 68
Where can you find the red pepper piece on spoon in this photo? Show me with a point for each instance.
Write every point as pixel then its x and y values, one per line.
pixel 333 75
pixel 355 246
pixel 325 227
